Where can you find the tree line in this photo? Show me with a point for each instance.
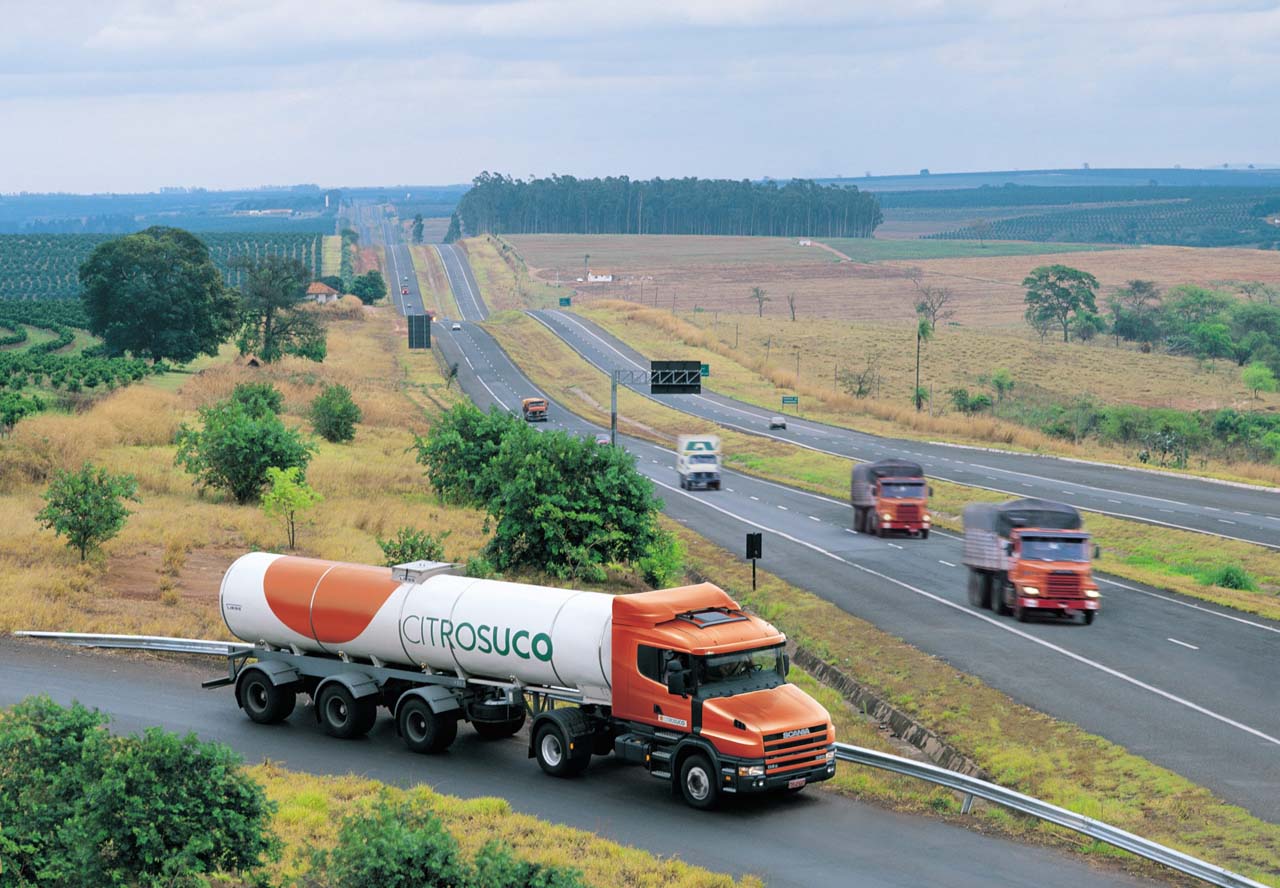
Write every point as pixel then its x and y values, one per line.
pixel 499 204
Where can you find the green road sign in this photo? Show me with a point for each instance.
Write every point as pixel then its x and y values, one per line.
pixel 790 399
pixel 706 370
pixel 564 301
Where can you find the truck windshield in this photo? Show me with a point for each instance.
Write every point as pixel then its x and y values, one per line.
pixel 703 459
pixel 1055 549
pixel 901 490
pixel 723 674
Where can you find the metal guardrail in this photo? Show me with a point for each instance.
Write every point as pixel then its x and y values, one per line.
pixel 146 643
pixel 973 788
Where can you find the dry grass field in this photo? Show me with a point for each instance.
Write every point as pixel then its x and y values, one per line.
pixel 717 273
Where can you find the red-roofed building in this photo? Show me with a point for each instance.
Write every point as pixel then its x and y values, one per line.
pixel 322 292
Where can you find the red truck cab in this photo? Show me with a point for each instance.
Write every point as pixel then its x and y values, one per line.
pixel 1049 570
pixel 902 504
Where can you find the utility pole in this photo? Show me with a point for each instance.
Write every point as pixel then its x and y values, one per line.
pixel 613 408
pixel 797 365
pixel 735 335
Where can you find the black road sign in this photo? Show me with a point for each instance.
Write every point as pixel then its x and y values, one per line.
pixel 675 377
pixel 755 545
pixel 419 331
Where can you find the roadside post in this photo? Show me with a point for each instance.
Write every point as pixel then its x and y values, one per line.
pixel 755 547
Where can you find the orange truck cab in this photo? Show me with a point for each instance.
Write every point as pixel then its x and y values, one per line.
pixel 534 409
pixel 1030 556
pixel 890 495
pixel 700 698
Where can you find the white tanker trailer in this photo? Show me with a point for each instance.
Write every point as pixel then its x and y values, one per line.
pixel 681 681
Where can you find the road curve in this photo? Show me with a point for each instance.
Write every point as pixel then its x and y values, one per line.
pixel 1251 514
pixel 809 840
pixel 1207 676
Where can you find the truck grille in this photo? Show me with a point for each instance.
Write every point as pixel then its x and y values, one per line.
pixel 909 512
pixel 782 753
pixel 1065 584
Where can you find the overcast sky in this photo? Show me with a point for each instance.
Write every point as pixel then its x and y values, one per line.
pixel 100 95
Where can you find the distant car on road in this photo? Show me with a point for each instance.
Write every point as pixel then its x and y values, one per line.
pixel 455 326
pixel 777 422
pixel 404 291
pixel 602 438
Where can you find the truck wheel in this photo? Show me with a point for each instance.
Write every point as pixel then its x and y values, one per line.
pixel 698 782
pixel 1088 617
pixel 499 730
pixel 1020 614
pixel 924 534
pixel 342 715
pixel 979 596
pixel 858 520
pixel 999 603
pixel 553 754
pixel 423 730
pixel 264 702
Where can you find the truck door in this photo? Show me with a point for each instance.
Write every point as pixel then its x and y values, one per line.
pixel 654 704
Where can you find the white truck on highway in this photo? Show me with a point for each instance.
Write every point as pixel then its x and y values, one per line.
pixel 698 461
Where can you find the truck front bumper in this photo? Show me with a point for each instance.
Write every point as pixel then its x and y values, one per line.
pixel 734 780
pixel 1059 604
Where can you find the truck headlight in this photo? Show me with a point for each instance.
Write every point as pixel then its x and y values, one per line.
pixel 831 756
pixel 1030 591
pixel 887 516
pixel 1090 593
pixel 751 770
pixel 927 519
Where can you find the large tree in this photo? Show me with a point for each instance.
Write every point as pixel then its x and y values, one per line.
pixel 1059 292
pixel 276 318
pixel 157 294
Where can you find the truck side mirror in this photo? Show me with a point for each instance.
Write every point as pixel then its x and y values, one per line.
pixel 1008 548
pixel 929 489
pixel 786 664
pixel 1097 551
pixel 676 682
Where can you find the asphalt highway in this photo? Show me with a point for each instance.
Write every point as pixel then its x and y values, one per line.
pixel 803 841
pixel 1188 685
pixel 1181 501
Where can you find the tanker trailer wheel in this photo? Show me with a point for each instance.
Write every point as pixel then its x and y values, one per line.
pixel 698 782
pixel 552 751
pixel 425 731
pixel 264 702
pixel 342 715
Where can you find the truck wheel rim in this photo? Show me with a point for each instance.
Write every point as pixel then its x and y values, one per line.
pixel 257 696
pixel 698 784
pixel 416 727
pixel 336 711
pixel 552 753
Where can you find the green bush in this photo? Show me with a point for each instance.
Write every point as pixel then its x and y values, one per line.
pixel 234 448
pixel 497 867
pixel 87 506
pixel 1231 576
pixel 334 415
pixel 479 567
pixel 663 563
pixel 392 845
pixel 87 808
pixel 411 544
pixel 461 446
pixel 258 398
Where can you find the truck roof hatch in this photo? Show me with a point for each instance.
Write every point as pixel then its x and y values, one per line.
pixel 711 617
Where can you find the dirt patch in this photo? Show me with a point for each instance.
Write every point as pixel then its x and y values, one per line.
pixel 142 576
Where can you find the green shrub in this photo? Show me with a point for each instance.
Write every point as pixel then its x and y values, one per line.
pixel 394 845
pixel 334 415
pixel 411 544
pixel 479 567
pixel 498 867
pixel 663 563
pixel 1231 576
pixel 87 506
pixel 258 398
pixel 234 448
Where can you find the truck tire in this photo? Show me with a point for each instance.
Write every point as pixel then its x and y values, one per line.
pixel 423 730
pixel 342 715
pixel 499 730
pixel 999 588
pixel 262 700
pixel 698 783
pixel 1088 617
pixel 876 527
pixel 924 534
pixel 979 589
pixel 1020 614
pixel 551 749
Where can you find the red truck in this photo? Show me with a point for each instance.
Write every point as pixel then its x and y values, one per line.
pixel 890 495
pixel 1029 556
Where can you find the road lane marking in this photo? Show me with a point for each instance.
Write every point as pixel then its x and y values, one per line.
pixel 756 498
pixel 784 508
pixel 947 563
pixel 995 623
pixel 895 545
pixel 812 518
pixel 1225 521
pixel 1183 643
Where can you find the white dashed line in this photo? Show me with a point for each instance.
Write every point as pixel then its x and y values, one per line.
pixel 1225 521
pixel 756 498
pixel 812 518
pixel 895 545
pixel 1069 492
pixel 1117 502
pixel 784 508
pixel 947 563
pixel 1183 643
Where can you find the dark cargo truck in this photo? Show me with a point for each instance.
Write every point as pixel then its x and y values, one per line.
pixel 890 495
pixel 1029 556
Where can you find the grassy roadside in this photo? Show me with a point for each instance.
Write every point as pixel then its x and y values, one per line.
pixel 311 808
pixel 1020 747
pixel 504 279
pixel 433 282
pixel 1165 557
pixel 752 373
